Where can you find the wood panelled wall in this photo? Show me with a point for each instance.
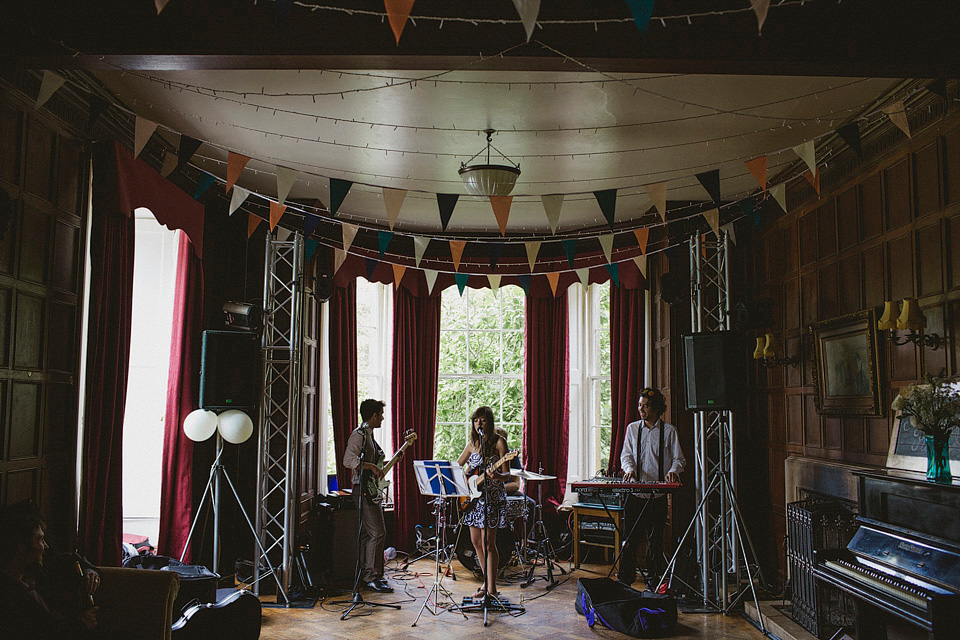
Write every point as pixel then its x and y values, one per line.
pixel 887 234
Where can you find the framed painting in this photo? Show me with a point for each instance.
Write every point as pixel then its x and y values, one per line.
pixel 845 365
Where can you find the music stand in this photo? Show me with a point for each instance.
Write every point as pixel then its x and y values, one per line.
pixel 441 479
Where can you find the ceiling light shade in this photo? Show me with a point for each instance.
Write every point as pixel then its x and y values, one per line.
pixel 489 179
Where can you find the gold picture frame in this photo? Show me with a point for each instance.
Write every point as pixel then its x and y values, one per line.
pixel 846 374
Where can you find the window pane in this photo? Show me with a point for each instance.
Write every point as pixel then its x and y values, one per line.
pixel 603 448
pixel 452 400
pixel 449 441
pixel 484 352
pixel 512 400
pixel 453 352
pixel 484 391
pixel 484 310
pixel 513 311
pixel 453 310
pixel 603 400
pixel 512 353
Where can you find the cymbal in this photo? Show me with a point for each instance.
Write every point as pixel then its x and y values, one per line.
pixel 530 475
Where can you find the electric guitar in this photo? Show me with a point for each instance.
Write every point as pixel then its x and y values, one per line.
pixel 377 489
pixel 474 481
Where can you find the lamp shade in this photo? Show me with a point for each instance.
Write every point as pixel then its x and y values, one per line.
pixel 770 346
pixel 888 320
pixel 911 317
pixel 758 352
pixel 236 427
pixel 200 424
pixel 489 179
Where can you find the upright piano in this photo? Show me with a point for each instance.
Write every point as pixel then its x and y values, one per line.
pixel 904 560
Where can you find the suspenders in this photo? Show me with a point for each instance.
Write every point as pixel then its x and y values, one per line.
pixel 660 457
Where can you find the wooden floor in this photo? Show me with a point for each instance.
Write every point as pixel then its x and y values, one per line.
pixel 549 614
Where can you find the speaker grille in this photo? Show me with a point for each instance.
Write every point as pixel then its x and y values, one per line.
pixel 229 370
pixel 710 360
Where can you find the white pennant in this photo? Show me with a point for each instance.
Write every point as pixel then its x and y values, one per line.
pixel 339 256
pixel 657 192
pixel 431 277
pixel 142 130
pixel 551 205
pixel 641 264
pixel 283 234
pixel 419 247
pixel 713 219
pixel 48 86
pixel 349 233
pixel 779 193
pixel 533 248
pixel 239 195
pixel 160 4
pixel 528 11
pixel 898 116
pixel 494 280
pixel 606 243
pixel 584 275
pixel 169 163
pixel 393 200
pixel 760 7
pixel 730 232
pixel 808 154
pixel 285 179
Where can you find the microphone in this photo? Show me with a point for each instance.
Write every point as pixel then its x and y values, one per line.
pixel 480 431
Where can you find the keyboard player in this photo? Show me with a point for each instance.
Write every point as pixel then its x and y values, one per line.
pixel 651 453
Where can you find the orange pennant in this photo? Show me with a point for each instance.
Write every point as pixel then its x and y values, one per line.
pixel 758 167
pixel 235 165
pixel 276 212
pixel 397 12
pixel 252 223
pixel 554 278
pixel 456 250
pixel 813 179
pixel 642 236
pixel 501 209
pixel 398 270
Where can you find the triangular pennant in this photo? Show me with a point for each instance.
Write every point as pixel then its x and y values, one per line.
pixel 309 247
pixel 614 271
pixel 310 223
pixel 524 283
pixel 554 279
pixel 393 201
pixel 276 212
pixel 188 147
pixel 731 231
pixel 446 202
pixel 643 235
pixel 607 199
pixel 657 192
pixel 939 87
pixel 747 206
pixel 205 182
pixel 461 279
pixel 528 11
pixel 285 179
pixel 239 195
pixel 501 209
pixel 371 266
pixel 349 232
pixel 760 7
pixel 898 116
pixel 494 280
pixel 338 191
pixel 533 248
pixel 97 106
pixel 808 153
pixel 169 163
pixel 419 247
pixel 713 219
pixel 570 248
pixel 641 10
pixel 757 222
pixel 142 130
pixel 779 193
pixel 552 205
pixel 397 13
pixel 235 165
pixel 283 234
pixel 606 244
pixel 710 181
pixel 758 167
pixel 641 262
pixel 584 275
pixel 398 270
pixel 339 257
pixel 456 251
pixel 495 248
pixel 851 135
pixel 383 239
pixel 252 223
pixel 431 277
pixel 813 179
pixel 48 86
pixel 160 4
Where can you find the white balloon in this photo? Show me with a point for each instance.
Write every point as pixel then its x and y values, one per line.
pixel 200 424
pixel 236 427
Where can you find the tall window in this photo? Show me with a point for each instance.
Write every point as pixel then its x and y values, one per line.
pixel 481 363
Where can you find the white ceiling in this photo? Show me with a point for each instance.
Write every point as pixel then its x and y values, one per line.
pixel 571 132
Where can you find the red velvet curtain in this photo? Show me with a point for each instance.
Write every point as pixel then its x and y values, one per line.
pixel 546 419
pixel 343 372
pixel 183 383
pixel 416 365
pixel 626 363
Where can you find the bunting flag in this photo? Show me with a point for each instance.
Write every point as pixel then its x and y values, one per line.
pixel 524 283
pixel 431 277
pixel 494 280
pixel 160 4
pixel 807 152
pixel 461 279
pixel 456 251
pixel 641 262
pixel 607 199
pixel 528 11
pixel 97 106
pixel 813 179
pixel 349 232
pixel 851 135
pixel 554 279
pixel 642 236
pixel 614 271
pixel 285 179
pixel 938 87
pixel 446 202
pixel 235 164
pixel 495 248
pixel 657 192
pixel 169 163
pixel 339 257
pixel 252 223
pixel 713 219
pixel 760 7
pixel 606 244
pixel 48 86
pixel 239 195
pixel 419 248
pixel 397 13
pixel 205 182
pixel 552 205
pixel 570 248
pixel 641 10
pixel 283 234
pixel 142 130
pixel 710 181
pixel 310 223
pixel 188 147
pixel 393 201
pixel 371 266
pixel 779 193
pixel 533 248
pixel 898 116
pixel 501 209
pixel 584 275
pixel 309 248
pixel 398 270
pixel 758 167
pixel 276 212
pixel 338 191
pixel 731 231
pixel 383 240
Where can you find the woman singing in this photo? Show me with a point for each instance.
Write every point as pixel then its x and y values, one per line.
pixel 484 448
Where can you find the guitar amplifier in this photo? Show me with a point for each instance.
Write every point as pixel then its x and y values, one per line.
pixel 597 532
pixel 333 556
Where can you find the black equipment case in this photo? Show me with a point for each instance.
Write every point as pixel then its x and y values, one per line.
pixel 197 583
pixel 618 607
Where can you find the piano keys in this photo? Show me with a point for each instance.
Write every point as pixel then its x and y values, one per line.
pixel 613 492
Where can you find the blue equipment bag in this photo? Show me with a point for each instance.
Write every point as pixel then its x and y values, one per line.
pixel 618 607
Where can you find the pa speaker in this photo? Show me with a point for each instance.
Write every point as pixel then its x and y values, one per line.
pixel 711 362
pixel 229 370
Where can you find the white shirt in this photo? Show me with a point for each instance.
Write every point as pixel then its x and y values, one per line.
pixel 649 451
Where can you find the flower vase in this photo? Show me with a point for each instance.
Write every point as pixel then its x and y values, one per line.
pixel 938 464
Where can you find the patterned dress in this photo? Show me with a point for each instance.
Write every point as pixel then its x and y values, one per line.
pixel 476 514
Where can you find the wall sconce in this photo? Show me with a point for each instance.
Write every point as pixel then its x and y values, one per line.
pixel 766 353
pixel 911 319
